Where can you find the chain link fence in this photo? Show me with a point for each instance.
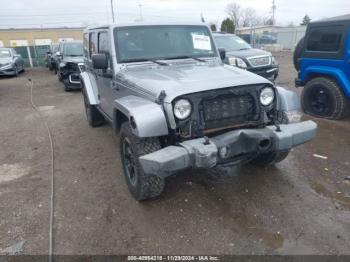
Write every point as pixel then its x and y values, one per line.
pixel 275 39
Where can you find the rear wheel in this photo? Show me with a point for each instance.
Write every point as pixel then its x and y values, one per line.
pixel 93 116
pixel 142 186
pixel 322 97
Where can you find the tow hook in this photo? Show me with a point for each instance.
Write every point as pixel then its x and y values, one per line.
pixel 206 141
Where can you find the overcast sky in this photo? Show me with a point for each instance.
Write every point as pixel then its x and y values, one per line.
pixel 52 13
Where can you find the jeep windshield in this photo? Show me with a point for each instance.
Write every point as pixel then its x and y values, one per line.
pixel 231 43
pixel 73 49
pixel 147 43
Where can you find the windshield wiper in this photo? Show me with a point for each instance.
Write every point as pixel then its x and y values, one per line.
pixel 245 48
pixel 146 60
pixel 186 57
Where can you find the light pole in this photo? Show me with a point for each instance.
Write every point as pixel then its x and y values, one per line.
pixel 140 5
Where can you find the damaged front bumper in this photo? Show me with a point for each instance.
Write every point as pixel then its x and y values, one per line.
pixel 72 81
pixel 227 147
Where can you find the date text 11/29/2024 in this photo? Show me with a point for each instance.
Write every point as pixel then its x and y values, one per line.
pixel 173 258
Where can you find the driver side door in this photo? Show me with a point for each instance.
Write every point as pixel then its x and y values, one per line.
pixel 105 78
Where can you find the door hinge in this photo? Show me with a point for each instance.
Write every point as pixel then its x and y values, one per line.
pixel 114 85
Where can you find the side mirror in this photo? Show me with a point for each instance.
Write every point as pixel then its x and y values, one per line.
pixel 99 61
pixel 222 53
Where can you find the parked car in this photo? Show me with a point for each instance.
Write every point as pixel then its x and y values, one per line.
pixel 322 61
pixel 175 105
pixel 50 55
pixel 70 63
pixel 11 63
pixel 239 53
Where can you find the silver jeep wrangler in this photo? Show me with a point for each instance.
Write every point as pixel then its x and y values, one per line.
pixel 175 105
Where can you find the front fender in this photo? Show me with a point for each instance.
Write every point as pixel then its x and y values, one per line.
pixel 287 100
pixel 89 84
pixel 148 116
pixel 333 72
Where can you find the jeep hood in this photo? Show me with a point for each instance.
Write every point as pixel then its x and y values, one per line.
pixel 177 80
pixel 73 59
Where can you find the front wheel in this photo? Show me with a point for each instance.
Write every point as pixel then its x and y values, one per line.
pixel 15 71
pixel 142 186
pixel 270 158
pixel 93 116
pixel 322 97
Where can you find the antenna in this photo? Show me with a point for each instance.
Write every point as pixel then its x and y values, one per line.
pixel 112 11
pixel 202 18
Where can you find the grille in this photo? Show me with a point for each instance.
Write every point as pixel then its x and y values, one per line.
pixel 228 110
pixel 260 61
pixel 75 77
pixel 72 67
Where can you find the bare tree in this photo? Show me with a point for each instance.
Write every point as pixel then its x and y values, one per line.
pixel 233 11
pixel 249 17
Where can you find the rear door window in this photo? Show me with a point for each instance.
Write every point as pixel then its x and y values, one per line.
pixel 325 39
pixel 92 44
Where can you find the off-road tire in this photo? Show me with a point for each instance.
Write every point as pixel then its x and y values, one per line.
pixel 272 158
pixel 341 104
pixel 66 88
pixel 146 185
pixel 59 76
pixel 297 53
pixel 93 116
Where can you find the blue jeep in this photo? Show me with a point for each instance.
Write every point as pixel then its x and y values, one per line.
pixel 322 59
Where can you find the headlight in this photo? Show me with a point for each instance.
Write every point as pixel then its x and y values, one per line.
pixel 182 109
pixel 236 61
pixel 273 61
pixel 6 64
pixel 62 64
pixel 267 95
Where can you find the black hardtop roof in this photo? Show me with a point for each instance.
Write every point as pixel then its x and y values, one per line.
pixel 341 18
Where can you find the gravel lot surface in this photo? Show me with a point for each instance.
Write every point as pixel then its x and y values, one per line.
pixel 301 206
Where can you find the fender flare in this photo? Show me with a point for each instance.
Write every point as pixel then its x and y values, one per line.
pixel 287 100
pixel 90 88
pixel 335 73
pixel 146 117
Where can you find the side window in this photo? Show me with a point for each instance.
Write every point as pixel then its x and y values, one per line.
pixel 325 39
pixel 86 44
pixel 92 44
pixel 103 43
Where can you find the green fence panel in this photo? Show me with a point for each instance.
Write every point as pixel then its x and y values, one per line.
pixel 22 50
pixel 37 53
